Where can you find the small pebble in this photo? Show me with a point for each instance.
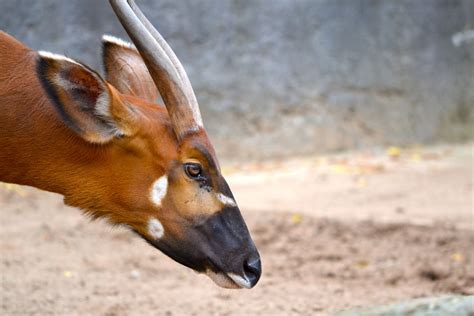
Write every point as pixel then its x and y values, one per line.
pixel 135 274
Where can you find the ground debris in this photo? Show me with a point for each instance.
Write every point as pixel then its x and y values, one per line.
pixel 432 306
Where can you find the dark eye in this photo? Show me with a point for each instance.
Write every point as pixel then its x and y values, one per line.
pixel 193 170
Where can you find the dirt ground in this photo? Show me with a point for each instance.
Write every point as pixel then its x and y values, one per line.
pixel 334 232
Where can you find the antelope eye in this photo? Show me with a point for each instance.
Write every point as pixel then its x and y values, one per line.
pixel 193 170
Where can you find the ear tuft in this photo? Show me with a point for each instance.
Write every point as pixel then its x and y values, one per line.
pixel 109 39
pixel 80 95
pixel 50 55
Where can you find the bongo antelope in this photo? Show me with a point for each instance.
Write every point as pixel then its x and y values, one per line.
pixel 110 150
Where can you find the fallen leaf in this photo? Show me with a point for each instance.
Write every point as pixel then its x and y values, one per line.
pixel 296 218
pixel 341 169
pixel 416 157
pixel 362 264
pixel 457 257
pixel 394 151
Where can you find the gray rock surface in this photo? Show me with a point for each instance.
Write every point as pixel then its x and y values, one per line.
pixel 430 306
pixel 284 77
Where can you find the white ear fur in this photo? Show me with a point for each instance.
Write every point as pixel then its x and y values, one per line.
pixel 50 55
pixel 102 105
pixel 117 41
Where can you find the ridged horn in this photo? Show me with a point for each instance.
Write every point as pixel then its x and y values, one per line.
pixel 165 68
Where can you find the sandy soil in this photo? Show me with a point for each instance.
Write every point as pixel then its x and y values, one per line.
pixel 334 232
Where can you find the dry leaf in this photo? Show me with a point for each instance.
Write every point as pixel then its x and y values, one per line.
pixel 296 218
pixel 362 264
pixel 394 152
pixel 341 169
pixel 457 256
pixel 416 157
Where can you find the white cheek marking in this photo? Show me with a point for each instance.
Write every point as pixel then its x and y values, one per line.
pixel 226 200
pixel 155 228
pixel 158 190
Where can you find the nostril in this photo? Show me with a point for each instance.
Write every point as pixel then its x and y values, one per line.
pixel 253 270
pixel 252 267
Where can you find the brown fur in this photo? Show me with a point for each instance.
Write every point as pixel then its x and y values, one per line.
pixel 65 129
pixel 111 180
pixel 127 73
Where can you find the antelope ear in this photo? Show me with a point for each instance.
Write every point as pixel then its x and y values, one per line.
pixel 125 69
pixel 86 103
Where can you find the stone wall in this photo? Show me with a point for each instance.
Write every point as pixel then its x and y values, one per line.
pixel 285 77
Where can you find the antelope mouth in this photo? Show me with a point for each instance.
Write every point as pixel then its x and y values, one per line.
pixel 229 280
pixel 249 278
pixel 223 279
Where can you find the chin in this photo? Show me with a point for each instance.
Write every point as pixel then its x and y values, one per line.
pixel 228 281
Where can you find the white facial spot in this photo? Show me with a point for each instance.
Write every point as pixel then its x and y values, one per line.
pixel 155 228
pixel 228 201
pixel 158 190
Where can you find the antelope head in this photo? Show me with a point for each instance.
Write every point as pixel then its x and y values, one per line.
pixel 157 171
